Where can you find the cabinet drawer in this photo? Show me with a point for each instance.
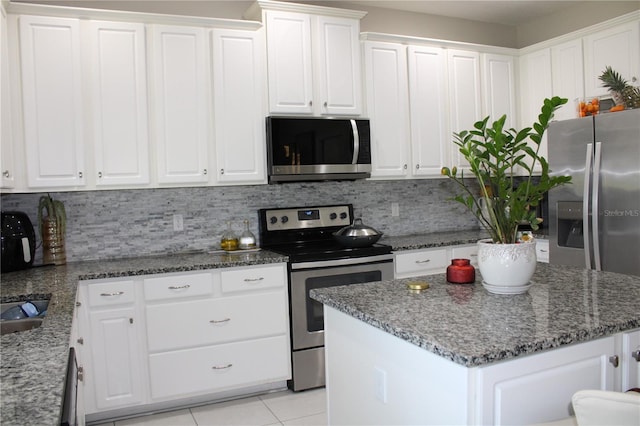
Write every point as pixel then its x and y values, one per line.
pixel 111 293
pixel 206 322
pixel 466 252
pixel 220 367
pixel 178 286
pixel 247 279
pixel 421 262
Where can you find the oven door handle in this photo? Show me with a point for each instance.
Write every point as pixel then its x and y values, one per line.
pixel 342 262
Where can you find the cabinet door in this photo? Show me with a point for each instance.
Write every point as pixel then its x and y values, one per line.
pixel 535 86
pixel 542 250
pixel 617 47
pixel 338 66
pixel 538 388
pixel 119 97
pixel 7 161
pixel 567 72
pixel 180 108
pixel 430 138
pixel 52 101
pixel 238 113
pixel 387 107
pixel 289 62
pixel 464 95
pixel 630 360
pixel 117 367
pixel 499 87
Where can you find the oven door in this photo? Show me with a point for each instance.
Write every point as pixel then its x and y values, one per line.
pixel 307 319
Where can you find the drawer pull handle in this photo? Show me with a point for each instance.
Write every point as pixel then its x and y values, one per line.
pixel 423 261
pixel 221 367
pixel 117 293
pixel 252 280
pixel 220 321
pixel 179 287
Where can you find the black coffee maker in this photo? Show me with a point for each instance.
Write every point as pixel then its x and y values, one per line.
pixel 18 241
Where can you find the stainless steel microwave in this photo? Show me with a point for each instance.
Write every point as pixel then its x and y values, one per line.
pixel 308 149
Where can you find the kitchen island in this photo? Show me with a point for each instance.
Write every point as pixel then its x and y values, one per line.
pixel 33 363
pixel 455 354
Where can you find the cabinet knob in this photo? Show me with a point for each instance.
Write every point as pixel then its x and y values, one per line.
pixel 130 320
pixel 80 373
pixel 204 171
pixel 636 355
pixel 404 167
pixel 6 174
pixel 99 175
pixel 80 175
pixel 614 360
pixel 80 341
pixel 310 103
pixel 221 171
pixel 325 104
pixel 417 166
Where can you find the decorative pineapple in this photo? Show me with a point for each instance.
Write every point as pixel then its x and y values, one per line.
pixel 622 92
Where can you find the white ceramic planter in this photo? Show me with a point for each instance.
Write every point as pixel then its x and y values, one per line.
pixel 506 268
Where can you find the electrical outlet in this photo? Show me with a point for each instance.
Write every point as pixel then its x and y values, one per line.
pixel 380 384
pixel 395 209
pixel 178 224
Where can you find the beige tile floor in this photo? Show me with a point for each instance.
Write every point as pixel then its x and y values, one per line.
pixel 285 408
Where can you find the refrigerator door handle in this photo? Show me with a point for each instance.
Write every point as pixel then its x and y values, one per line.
pixel 595 194
pixel 585 205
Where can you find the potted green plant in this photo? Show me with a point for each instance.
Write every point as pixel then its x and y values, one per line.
pixel 52 227
pixel 500 204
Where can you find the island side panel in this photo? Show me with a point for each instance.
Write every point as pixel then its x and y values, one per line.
pixel 375 378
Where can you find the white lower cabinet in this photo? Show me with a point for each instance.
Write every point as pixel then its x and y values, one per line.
pixel 506 388
pixel 401 383
pixel 412 263
pixel 110 330
pixel 218 367
pixel 158 339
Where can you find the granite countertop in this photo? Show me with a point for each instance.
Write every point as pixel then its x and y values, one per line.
pixel 433 240
pixel 33 363
pixel 467 325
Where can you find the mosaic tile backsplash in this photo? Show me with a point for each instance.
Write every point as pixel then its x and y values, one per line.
pixel 130 223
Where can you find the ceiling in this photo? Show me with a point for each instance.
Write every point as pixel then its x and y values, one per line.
pixel 506 12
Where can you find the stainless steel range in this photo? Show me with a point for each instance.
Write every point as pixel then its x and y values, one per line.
pixel 316 260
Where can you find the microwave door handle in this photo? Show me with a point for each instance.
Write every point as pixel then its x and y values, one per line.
pixel 595 199
pixel 356 142
pixel 585 205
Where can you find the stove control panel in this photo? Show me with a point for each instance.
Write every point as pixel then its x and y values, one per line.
pixel 307 218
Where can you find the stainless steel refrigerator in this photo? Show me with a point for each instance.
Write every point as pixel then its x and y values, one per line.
pixel 594 222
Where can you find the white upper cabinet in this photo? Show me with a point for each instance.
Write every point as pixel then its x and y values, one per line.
pixel 338 78
pixel 119 102
pixel 567 76
pixel 313 64
pixel 289 62
pixel 387 107
pixel 238 87
pixel 7 160
pixel 464 95
pixel 180 108
pixel 52 101
pixel 498 82
pixel 430 137
pixel 617 47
